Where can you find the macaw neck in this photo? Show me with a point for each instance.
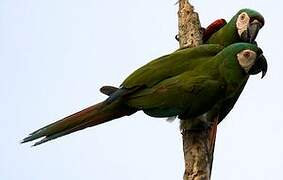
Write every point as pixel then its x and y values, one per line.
pixel 225 36
pixel 230 70
pixel 225 67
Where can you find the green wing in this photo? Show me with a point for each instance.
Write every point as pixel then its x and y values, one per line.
pixel 170 65
pixel 185 95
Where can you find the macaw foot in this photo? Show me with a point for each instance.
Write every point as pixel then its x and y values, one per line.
pixel 196 124
pixel 177 37
pixel 199 124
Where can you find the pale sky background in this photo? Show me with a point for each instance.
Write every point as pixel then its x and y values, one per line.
pixel 56 54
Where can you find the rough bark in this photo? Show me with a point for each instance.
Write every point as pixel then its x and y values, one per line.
pixel 189 25
pixel 198 145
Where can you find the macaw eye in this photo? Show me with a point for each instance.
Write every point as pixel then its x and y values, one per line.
pixel 242 17
pixel 247 54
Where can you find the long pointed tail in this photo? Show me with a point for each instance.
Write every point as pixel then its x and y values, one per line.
pixel 91 116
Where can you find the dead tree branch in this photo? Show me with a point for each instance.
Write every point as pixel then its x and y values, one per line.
pixel 198 145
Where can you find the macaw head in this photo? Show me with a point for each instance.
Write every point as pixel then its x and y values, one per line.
pixel 248 23
pixel 246 56
pixel 251 59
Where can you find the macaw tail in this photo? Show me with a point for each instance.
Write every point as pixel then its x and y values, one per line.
pixel 91 116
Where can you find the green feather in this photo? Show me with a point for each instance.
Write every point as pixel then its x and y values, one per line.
pixel 225 36
pixel 170 65
pixel 195 91
pixel 228 34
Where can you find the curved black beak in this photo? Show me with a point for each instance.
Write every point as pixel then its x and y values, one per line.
pixel 250 34
pixel 253 30
pixel 259 66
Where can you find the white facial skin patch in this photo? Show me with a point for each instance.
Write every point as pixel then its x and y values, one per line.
pixel 242 22
pixel 246 59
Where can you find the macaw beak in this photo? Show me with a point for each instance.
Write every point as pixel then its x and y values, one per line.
pixel 259 66
pixel 250 34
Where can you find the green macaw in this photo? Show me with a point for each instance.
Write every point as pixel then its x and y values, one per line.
pixel 168 86
pixel 243 27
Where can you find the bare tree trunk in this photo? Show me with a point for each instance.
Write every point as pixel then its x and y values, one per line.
pixel 189 25
pixel 198 145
